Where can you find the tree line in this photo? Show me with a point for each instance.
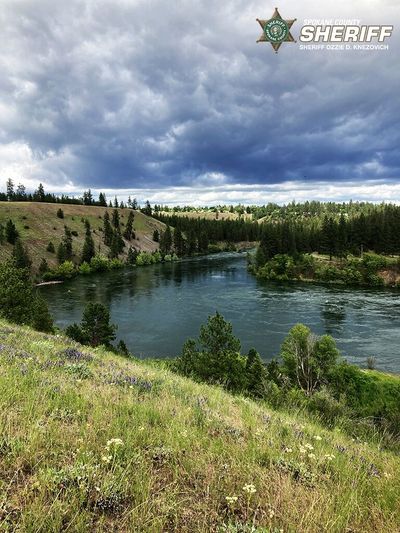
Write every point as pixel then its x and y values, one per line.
pixel 19 193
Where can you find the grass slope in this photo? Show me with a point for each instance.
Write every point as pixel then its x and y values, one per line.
pixel 183 449
pixel 38 224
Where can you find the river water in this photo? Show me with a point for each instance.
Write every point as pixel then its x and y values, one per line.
pixel 158 307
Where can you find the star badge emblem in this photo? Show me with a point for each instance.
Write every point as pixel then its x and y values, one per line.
pixel 276 30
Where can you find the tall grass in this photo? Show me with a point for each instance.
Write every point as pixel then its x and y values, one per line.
pixel 93 442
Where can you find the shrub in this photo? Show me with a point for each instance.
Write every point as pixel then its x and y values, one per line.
pixel 99 263
pixel 84 268
pixel 60 213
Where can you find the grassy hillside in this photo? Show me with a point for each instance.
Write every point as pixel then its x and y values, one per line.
pixel 93 442
pixel 38 224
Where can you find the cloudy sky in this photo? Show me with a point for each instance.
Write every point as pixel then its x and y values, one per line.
pixel 175 102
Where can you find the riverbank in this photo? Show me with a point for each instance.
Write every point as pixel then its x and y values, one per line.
pixel 370 270
pixel 99 442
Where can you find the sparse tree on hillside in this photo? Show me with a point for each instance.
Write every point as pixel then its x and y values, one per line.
pixel 95 328
pixel 107 229
pixel 11 232
pixel 88 250
pixel 129 234
pixel 102 200
pixel 20 255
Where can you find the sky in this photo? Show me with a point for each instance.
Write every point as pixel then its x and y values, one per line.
pixel 175 102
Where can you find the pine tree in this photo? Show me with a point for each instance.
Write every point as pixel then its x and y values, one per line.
pixel 147 209
pixel 129 234
pixel 60 213
pixel 116 205
pixel 43 267
pixel 179 243
pixel 115 219
pixel 20 255
pixel 61 253
pixel 95 328
pixel 10 190
pixel 88 250
pixel 67 241
pixel 102 200
pixel 166 241
pixel 11 232
pixel 256 374
pixel 107 229
pixel 50 248
pixel 132 255
pixel 39 195
pixel 156 235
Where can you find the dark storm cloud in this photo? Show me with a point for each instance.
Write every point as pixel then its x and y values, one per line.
pixel 128 94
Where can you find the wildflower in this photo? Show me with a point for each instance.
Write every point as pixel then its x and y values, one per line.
pixel 271 513
pixel 309 446
pixel 106 458
pixel 311 455
pixel 230 500
pixel 317 437
pixel 302 449
pixel 115 443
pixel 250 489
pixel 329 456
pixel 288 450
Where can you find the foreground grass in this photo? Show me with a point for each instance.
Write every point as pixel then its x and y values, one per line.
pixel 93 442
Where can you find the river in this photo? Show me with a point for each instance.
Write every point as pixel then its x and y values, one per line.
pixel 158 307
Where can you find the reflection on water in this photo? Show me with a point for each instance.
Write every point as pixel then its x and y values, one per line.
pixel 158 307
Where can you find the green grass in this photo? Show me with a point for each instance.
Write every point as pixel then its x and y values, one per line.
pixel 44 226
pixel 184 449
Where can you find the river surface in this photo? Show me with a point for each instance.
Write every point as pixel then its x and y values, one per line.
pixel 158 307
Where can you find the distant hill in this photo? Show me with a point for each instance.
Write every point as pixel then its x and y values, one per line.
pixel 38 224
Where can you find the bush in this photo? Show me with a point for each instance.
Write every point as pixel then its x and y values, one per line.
pixel 99 263
pixel 66 270
pixel 84 268
pixel 60 213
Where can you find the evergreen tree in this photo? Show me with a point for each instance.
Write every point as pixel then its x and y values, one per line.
pixel 95 328
pixel 191 243
pixel 102 200
pixel 166 241
pixel 20 195
pixel 134 204
pixel 132 255
pixel 10 190
pixel 129 234
pixel 256 374
pixel 60 213
pixel 87 197
pixel 11 232
pixel 116 204
pixel 107 229
pixel 39 195
pixel 115 219
pixel 147 209
pixel 19 302
pixel 20 256
pixel 43 267
pixel 50 248
pixel 67 241
pixel 61 253
pixel 156 235
pixel 42 319
pixel 179 243
pixel 88 250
